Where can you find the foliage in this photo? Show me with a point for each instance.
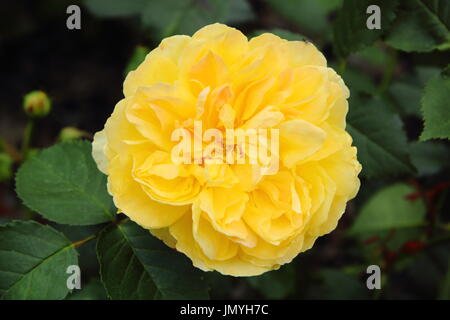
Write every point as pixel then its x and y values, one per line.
pixel 64 185
pixel 174 16
pixel 389 209
pixel 33 260
pixel 434 107
pixel 135 265
pixel 350 31
pixel 378 133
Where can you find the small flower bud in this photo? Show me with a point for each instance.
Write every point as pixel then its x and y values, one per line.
pixel 71 133
pixel 36 104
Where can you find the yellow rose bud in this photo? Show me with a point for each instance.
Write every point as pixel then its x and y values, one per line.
pixel 173 168
pixel 36 104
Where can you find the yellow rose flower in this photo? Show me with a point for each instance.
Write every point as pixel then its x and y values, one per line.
pixel 232 218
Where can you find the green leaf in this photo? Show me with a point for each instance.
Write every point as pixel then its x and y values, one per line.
pixel 350 30
pixel 358 81
pixel 426 73
pixel 376 56
pixel 407 97
pixel 394 241
pixel 421 25
pixel 275 284
pixel 94 290
pixel 135 265
pixel 436 107
pixel 239 11
pixel 115 8
pixel 429 157
pixel 371 244
pixel 388 209
pixel 33 261
pixel 284 34
pixel 407 91
pixel 63 184
pixel 379 136
pixel 311 16
pixel 87 256
pixel 170 17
